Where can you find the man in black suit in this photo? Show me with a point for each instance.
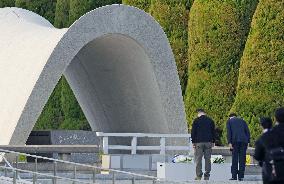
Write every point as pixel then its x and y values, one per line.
pixel 238 136
pixel 269 140
pixel 203 139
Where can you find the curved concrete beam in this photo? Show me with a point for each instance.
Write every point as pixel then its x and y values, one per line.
pixel 116 59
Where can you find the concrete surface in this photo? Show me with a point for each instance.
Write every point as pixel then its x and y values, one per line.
pixel 117 60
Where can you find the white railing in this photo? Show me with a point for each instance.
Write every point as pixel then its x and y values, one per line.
pixel 163 147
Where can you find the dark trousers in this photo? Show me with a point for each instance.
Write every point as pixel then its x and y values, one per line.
pixel 239 159
pixel 203 149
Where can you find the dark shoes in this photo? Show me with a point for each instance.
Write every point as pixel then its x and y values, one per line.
pixel 240 179
pixel 233 179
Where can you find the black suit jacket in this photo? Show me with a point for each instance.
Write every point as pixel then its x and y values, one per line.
pixel 271 139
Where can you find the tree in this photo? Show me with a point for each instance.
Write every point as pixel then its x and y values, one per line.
pixel 261 77
pixel 61 19
pixel 217 34
pixel 7 3
pixel 77 9
pixel 73 114
pixel 141 4
pixel 45 8
pixel 173 17
pixel 52 115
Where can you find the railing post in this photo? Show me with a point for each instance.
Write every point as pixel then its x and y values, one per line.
pixel 17 165
pixel 94 174
pixel 105 145
pixel 35 174
pixel 163 146
pixel 74 174
pixel 113 178
pixel 133 180
pixel 54 173
pixel 5 170
pixel 134 145
pixel 14 177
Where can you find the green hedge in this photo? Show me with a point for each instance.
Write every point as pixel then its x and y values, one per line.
pixel 261 80
pixel 52 115
pixel 173 17
pixel 45 8
pixel 217 33
pixel 74 117
pixel 61 19
pixel 141 4
pixel 7 3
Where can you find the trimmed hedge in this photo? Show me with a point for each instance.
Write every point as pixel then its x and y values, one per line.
pixel 141 4
pixel 261 80
pixel 45 8
pixel 61 19
pixel 77 9
pixel 52 115
pixel 74 117
pixel 7 3
pixel 217 34
pixel 173 17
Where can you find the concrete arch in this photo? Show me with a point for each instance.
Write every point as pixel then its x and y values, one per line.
pixel 116 58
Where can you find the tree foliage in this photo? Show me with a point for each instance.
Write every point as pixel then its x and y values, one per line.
pixel 261 78
pixel 73 115
pixel 217 33
pixel 45 8
pixel 141 4
pixel 61 19
pixel 173 17
pixel 52 115
pixel 7 3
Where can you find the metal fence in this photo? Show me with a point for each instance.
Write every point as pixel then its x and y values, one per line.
pixel 97 174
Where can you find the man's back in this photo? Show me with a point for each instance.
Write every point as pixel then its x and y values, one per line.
pixel 237 131
pixel 203 130
pixel 269 140
pixel 272 139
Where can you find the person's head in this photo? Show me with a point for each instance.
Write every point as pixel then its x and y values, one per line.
pixel 200 112
pixel 232 115
pixel 279 115
pixel 266 122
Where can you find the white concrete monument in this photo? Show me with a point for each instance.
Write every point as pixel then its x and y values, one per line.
pixel 117 60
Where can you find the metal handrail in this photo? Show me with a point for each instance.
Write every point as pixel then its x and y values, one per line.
pixel 46 175
pixel 80 164
pixel 153 178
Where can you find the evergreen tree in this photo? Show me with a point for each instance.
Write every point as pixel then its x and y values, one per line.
pixel 141 4
pixel 74 116
pixel 173 17
pixel 45 8
pixel 7 3
pixel 261 77
pixel 61 19
pixel 217 34
pixel 52 115
pixel 77 9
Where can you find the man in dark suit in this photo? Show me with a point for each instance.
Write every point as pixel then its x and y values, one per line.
pixel 238 136
pixel 269 140
pixel 203 139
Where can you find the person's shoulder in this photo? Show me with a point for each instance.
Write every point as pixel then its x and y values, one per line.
pixel 267 136
pixel 196 120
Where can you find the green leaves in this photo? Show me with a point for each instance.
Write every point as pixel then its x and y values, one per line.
pixel 261 77
pixel 216 38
